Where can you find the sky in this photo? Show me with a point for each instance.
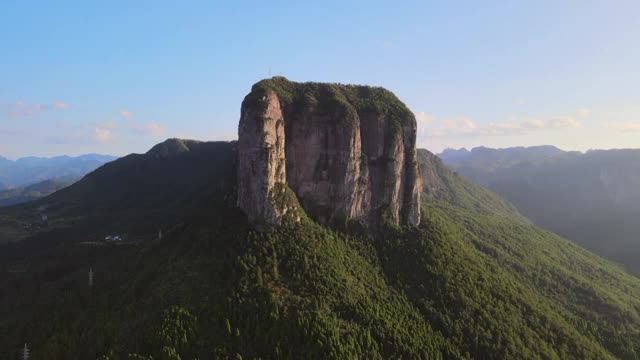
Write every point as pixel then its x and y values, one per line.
pixel 116 77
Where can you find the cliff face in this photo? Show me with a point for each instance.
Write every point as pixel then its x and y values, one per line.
pixel 261 163
pixel 347 152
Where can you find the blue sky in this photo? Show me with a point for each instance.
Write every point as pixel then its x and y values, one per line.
pixel 119 76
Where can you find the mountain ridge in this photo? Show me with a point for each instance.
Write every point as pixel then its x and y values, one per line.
pixel 473 280
pixel 191 277
pixel 591 198
pixel 34 191
pixel 29 170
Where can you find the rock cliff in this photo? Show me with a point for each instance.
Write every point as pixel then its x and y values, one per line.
pixel 346 152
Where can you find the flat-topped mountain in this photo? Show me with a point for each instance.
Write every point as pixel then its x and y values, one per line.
pixel 347 152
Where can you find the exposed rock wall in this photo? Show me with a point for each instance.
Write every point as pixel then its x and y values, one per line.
pixel 347 152
pixel 261 163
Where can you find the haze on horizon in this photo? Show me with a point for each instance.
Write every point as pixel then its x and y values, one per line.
pixel 77 77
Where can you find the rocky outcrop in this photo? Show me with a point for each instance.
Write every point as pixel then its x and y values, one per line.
pixel 347 153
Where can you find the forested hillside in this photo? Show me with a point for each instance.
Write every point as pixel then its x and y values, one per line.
pixel 591 198
pixel 474 280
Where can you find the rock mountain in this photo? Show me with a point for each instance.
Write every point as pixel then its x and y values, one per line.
pixel 474 280
pixel 347 152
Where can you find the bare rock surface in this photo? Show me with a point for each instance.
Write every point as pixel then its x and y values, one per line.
pixel 347 152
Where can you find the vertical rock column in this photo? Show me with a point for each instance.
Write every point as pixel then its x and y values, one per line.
pixel 261 163
pixel 413 182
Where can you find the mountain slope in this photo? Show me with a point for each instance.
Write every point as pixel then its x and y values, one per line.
pixel 33 191
pixel 590 198
pixel 442 184
pixel 475 280
pixel 575 283
pixel 138 194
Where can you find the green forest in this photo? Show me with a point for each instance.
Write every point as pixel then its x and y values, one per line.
pixel 470 282
pixel 590 198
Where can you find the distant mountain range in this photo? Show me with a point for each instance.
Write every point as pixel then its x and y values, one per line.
pixel 30 170
pixel 34 191
pixel 592 198
pixel 473 272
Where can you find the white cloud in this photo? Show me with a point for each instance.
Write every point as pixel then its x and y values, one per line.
pixel 563 122
pixel 126 114
pixel 435 127
pixel 583 112
pixel 105 124
pixel 501 129
pixel 624 126
pixel 534 124
pixel 424 118
pixel 461 125
pixel 432 126
pixel 102 135
pixel 151 129
pixel 19 109
pixel 560 122
pixel 519 102
pixel 154 129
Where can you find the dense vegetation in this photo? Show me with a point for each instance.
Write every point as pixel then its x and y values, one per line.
pixel 590 198
pixel 442 184
pixel 344 102
pixel 139 194
pixel 470 282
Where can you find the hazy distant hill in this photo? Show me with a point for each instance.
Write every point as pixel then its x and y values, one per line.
pixel 474 281
pixel 481 162
pixel 591 198
pixel 30 170
pixel 33 191
pixel 442 184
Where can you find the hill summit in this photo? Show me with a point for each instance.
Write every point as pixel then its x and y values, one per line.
pixel 347 153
